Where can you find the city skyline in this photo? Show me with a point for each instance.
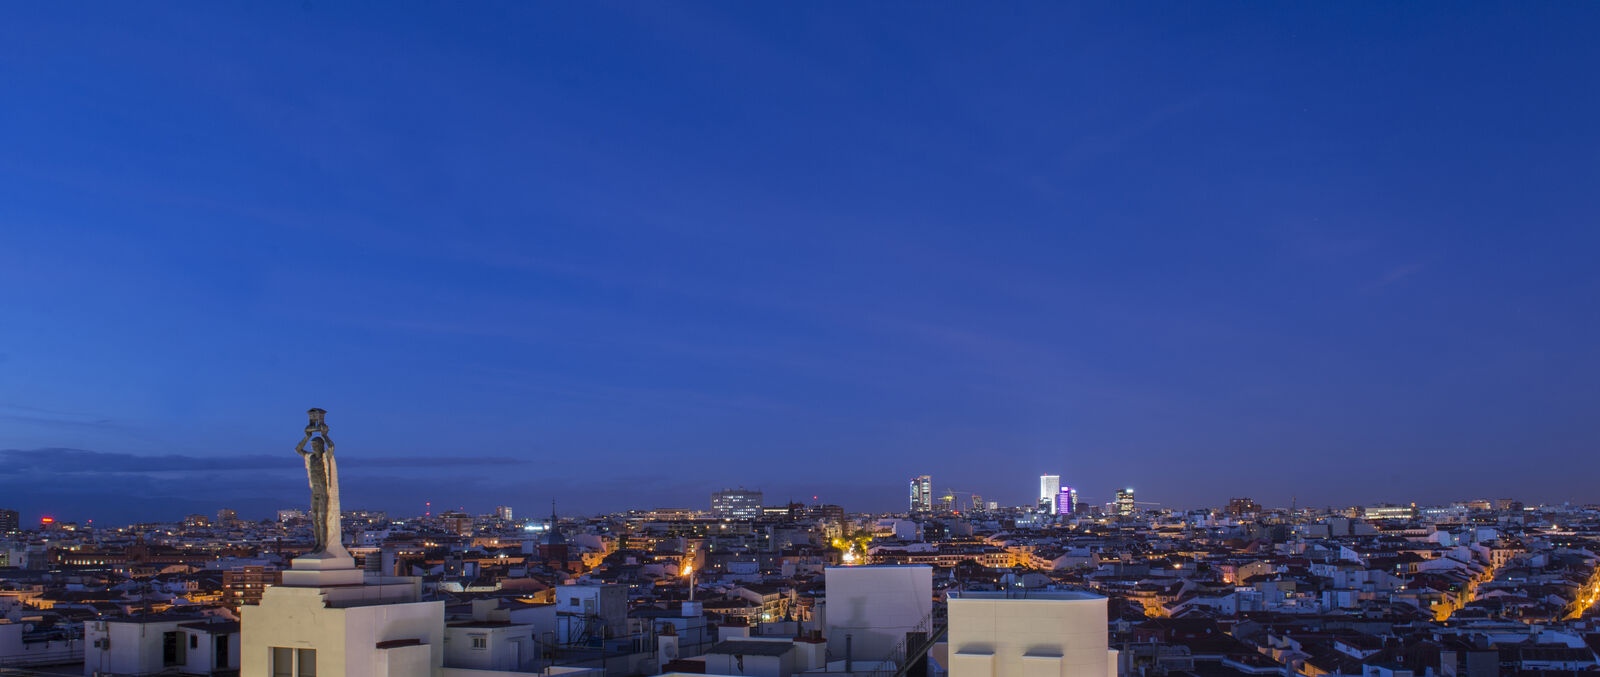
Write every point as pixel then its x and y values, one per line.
pixel 1202 251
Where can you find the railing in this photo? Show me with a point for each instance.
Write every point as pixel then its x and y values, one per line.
pixel 901 656
pixel 32 658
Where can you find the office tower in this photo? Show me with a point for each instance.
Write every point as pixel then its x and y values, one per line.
pixel 1125 505
pixel 1066 501
pixel 738 503
pixel 922 494
pixel 10 521
pixel 227 517
pixel 502 512
pixel 977 503
pixel 1049 486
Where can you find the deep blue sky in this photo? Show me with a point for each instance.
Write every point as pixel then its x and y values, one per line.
pixel 625 254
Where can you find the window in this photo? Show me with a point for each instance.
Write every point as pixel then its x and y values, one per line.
pixel 480 641
pixel 174 651
pixel 282 662
pixel 289 662
pixel 194 641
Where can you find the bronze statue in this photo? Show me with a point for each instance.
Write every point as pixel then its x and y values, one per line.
pixel 323 474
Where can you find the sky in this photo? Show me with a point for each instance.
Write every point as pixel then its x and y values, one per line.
pixel 621 255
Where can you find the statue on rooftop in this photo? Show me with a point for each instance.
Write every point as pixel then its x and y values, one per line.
pixel 323 474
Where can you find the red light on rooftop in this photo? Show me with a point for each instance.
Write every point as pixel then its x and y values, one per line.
pixel 47 520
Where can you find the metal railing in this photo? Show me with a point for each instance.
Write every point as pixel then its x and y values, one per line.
pixel 36 658
pixel 902 656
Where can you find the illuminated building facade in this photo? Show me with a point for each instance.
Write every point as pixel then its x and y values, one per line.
pixel 922 495
pixel 1049 486
pixel 738 503
pixel 1066 501
pixel 1243 506
pixel 10 521
pixel 1124 502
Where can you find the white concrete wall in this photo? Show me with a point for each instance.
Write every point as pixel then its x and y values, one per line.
pixel 876 605
pixel 1046 635
pixel 202 655
pixel 500 652
pixel 345 638
pixel 134 648
pixel 368 625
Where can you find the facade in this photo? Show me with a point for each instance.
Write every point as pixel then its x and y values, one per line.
pixel 149 645
pixel 1031 634
pixel 503 512
pixel 10 521
pixel 875 606
pixel 586 613
pixel 1243 506
pixel 1125 505
pixel 457 522
pixel 244 585
pixel 490 645
pixel 738 503
pixel 375 629
pixel 1049 486
pixel 1390 512
pixel 922 495
pixel 1066 501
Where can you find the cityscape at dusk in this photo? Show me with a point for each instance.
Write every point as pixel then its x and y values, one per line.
pixel 626 339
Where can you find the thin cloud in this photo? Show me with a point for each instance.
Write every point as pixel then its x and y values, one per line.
pixel 66 461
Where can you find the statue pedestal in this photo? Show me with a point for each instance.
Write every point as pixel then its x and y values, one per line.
pixel 302 578
pixel 322 569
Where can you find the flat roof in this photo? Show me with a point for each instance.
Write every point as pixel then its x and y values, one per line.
pixel 751 648
pixel 1056 595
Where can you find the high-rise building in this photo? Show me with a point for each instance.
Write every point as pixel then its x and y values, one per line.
pixel 1243 506
pixel 457 522
pixel 502 512
pixel 1066 501
pixel 977 503
pixel 738 503
pixel 10 521
pixel 1124 504
pixel 227 517
pixel 922 494
pixel 1049 486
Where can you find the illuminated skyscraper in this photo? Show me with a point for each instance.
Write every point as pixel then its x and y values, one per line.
pixel 1125 504
pixel 1066 501
pixel 922 495
pixel 9 521
pixel 1049 486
